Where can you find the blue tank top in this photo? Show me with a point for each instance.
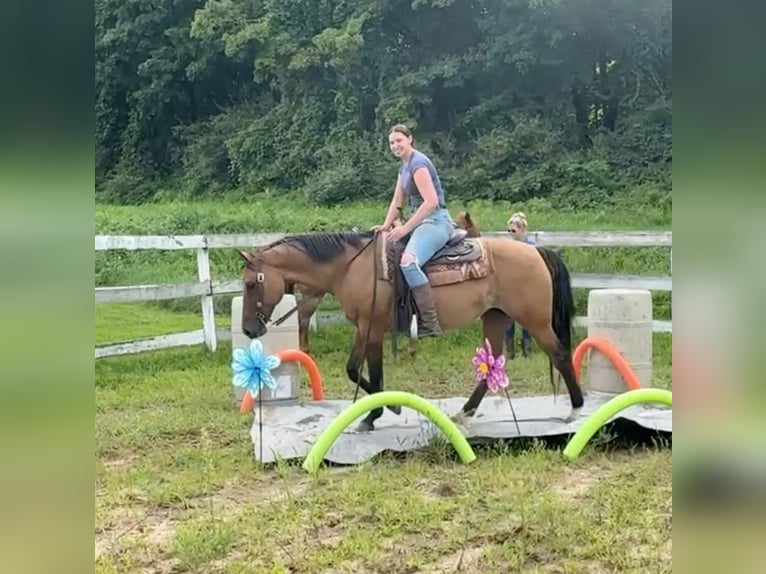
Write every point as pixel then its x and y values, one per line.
pixel 411 194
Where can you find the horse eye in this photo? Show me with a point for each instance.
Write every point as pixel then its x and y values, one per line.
pixel 249 285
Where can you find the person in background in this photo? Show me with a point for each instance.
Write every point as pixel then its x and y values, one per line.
pixel 517 227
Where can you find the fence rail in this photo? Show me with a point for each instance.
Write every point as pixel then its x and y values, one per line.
pixel 206 288
pixel 545 238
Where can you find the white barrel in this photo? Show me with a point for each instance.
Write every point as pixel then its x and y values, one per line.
pixel 284 336
pixel 623 317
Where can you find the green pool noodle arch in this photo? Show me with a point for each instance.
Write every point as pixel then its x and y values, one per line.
pixel 384 399
pixel 606 411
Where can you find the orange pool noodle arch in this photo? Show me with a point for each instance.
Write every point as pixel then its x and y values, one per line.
pixel 306 362
pixel 631 381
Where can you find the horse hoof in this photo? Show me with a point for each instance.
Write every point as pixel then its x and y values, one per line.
pixel 365 426
pixel 396 409
pixel 461 419
pixel 573 415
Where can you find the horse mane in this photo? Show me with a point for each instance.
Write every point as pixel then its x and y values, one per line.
pixel 324 246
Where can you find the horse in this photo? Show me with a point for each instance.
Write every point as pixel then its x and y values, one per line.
pixel 470 278
pixel 311 297
pixel 464 220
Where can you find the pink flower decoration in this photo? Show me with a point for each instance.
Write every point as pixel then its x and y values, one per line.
pixel 489 368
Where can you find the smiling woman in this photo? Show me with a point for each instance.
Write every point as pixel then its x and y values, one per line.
pixel 430 227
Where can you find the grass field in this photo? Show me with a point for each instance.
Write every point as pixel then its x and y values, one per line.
pixel 177 489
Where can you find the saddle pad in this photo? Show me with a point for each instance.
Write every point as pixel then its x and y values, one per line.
pixel 440 274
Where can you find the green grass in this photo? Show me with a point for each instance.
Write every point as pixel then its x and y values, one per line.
pixel 177 489
pixel 130 321
pixel 263 212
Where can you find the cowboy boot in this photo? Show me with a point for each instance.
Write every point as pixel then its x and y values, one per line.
pixel 429 321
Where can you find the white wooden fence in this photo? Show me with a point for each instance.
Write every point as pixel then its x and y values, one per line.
pixel 206 288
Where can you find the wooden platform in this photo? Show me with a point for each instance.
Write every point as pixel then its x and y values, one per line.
pixel 289 431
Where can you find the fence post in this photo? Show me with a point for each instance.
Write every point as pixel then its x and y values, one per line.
pixel 208 312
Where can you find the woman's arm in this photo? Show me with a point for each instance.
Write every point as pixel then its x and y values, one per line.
pixel 396 203
pixel 427 191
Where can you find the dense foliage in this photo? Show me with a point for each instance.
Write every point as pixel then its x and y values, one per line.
pixel 564 99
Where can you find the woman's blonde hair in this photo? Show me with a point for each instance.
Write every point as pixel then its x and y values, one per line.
pixel 520 218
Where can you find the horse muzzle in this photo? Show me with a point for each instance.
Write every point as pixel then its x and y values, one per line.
pixel 254 329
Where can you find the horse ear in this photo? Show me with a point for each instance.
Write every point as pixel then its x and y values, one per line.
pixel 244 255
pixel 468 218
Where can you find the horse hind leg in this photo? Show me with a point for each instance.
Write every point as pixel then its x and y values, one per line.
pixel 303 331
pixel 494 323
pixel 412 344
pixel 562 361
pixel 306 310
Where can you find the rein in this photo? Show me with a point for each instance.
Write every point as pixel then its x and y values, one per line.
pixel 284 317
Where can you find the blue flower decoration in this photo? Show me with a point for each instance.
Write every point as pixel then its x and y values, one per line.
pixel 252 369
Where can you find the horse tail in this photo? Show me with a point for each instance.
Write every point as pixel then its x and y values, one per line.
pixel 563 310
pixel 563 297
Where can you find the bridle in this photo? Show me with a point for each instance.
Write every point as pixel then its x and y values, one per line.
pixel 260 279
pixel 257 286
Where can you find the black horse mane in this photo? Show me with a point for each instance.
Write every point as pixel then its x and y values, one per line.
pixel 324 246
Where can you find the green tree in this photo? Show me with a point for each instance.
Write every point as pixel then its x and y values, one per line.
pixel 513 98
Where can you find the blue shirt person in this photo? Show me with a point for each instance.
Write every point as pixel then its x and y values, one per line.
pixel 517 227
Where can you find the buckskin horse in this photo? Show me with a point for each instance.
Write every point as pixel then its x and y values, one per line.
pixel 470 278
pixel 311 297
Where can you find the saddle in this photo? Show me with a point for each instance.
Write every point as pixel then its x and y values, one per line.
pixel 458 249
pixel 461 259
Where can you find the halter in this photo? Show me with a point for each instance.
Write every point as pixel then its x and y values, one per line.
pixel 260 278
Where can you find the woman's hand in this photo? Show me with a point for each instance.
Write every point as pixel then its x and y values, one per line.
pixel 397 233
pixel 379 228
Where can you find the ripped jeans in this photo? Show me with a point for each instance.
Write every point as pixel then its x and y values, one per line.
pixel 429 236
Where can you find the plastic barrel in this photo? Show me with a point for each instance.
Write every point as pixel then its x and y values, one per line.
pixel 623 317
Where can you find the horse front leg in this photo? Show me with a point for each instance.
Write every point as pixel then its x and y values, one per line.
pixel 375 365
pixel 374 357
